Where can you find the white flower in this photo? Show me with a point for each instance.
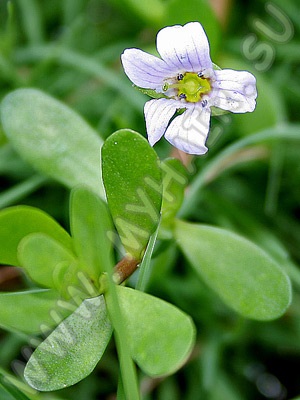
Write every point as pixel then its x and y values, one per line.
pixel 187 81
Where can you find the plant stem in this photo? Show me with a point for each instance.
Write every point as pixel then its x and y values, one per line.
pixel 124 269
pixel 144 270
pixel 127 367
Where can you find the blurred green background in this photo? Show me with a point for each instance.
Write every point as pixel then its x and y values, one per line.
pixel 71 50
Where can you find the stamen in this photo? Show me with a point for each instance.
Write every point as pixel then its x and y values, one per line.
pixel 191 86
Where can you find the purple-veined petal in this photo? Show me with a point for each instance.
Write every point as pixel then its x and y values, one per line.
pixel 188 131
pixel 144 69
pixel 158 113
pixel 184 48
pixel 234 91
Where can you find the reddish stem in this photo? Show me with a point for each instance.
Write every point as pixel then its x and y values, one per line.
pixel 125 268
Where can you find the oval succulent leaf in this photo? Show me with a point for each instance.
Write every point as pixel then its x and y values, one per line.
pixel 52 138
pixel 245 277
pixel 72 350
pixel 132 180
pixel 18 222
pixel 90 226
pixel 30 311
pixel 41 257
pixel 161 336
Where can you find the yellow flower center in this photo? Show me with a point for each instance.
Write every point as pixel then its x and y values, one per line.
pixel 191 86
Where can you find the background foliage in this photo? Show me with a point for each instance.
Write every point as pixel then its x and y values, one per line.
pixel 248 182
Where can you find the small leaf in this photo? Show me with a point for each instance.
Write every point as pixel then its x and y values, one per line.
pixel 17 222
pixel 90 227
pixel 161 336
pixel 29 311
pixel 244 276
pixel 132 180
pixel 52 138
pixel 46 260
pixel 72 350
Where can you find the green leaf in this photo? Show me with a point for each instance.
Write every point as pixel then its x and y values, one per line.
pixel 90 227
pixel 17 222
pixel 47 262
pixel 132 180
pixel 245 277
pixel 72 350
pixel 161 336
pixel 29 311
pixel 174 183
pixel 52 138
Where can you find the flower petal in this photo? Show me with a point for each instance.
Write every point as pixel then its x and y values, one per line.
pixel 188 131
pixel 158 114
pixel 234 91
pixel 184 48
pixel 144 70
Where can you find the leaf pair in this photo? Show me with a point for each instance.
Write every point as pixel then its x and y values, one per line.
pixel 132 178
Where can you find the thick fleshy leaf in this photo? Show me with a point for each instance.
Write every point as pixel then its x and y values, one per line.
pixel 52 138
pixel 132 180
pixel 245 277
pixel 90 227
pixel 161 336
pixel 30 311
pixel 18 222
pixel 47 262
pixel 72 350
